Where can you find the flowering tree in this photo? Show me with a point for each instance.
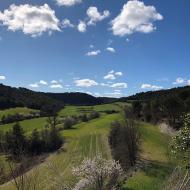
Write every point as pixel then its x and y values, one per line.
pixel 181 143
pixel 180 179
pixel 97 174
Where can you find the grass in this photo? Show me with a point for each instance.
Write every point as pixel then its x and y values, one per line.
pixel 77 110
pixel 84 140
pixel 27 125
pixel 12 111
pixel 156 165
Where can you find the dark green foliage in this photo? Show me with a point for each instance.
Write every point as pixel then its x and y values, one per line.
pixel 18 117
pixel 22 97
pixel 137 108
pixel 15 142
pixel 124 141
pixel 75 98
pixel 83 117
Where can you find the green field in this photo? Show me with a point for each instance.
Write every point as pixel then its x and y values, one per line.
pixel 13 111
pixel 88 138
pixel 77 110
pixel 156 165
pixel 28 125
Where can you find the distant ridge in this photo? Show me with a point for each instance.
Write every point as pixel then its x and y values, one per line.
pixel 182 92
pixel 23 97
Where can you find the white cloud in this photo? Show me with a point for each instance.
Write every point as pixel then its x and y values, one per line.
pixel 179 80
pixel 81 26
pixel 118 73
pixel 91 46
pixel 112 75
pixel 54 82
pixel 68 3
pixel 66 23
pixel 2 77
pixel 43 82
pixel 149 86
pixel 135 17
pixel 56 86
pixel 95 16
pixel 110 49
pixel 115 94
pixel 93 53
pixel 119 85
pixel 35 85
pixel 31 20
pixel 188 82
pixel 85 83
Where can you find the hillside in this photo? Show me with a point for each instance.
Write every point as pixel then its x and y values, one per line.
pixel 11 97
pixel 182 92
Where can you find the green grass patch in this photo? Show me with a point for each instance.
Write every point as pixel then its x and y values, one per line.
pixel 13 111
pixel 27 125
pixel 156 165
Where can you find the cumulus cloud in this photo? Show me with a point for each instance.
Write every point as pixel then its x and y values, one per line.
pixel 179 80
pixel 66 23
pixel 85 83
pixel 43 82
pixel 56 86
pixel 81 26
pixel 68 3
pixel 152 87
pixel 135 17
pixel 96 16
pixel 31 20
pixel 2 77
pixel 34 85
pixel 93 53
pixel 118 73
pixel 110 49
pixel 119 85
pixel 54 82
pixel 188 82
pixel 112 75
pixel 109 76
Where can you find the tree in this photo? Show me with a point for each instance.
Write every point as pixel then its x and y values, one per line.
pixel 181 143
pixel 137 108
pixel 174 108
pixel 15 142
pixel 97 174
pixel 124 142
pixel 146 112
pixel 35 143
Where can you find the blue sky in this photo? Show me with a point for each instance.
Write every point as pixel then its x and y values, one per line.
pixel 103 47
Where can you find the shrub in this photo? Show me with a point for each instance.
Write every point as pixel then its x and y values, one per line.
pixel 69 122
pixel 94 115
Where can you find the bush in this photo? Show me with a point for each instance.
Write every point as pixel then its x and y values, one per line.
pixel 69 122
pixel 83 118
pixel 94 115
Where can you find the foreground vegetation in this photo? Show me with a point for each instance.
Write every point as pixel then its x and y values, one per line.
pixel 87 139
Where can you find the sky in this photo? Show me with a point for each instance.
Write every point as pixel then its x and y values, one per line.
pixel 101 47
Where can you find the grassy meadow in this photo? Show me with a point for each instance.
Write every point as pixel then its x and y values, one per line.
pixel 86 139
